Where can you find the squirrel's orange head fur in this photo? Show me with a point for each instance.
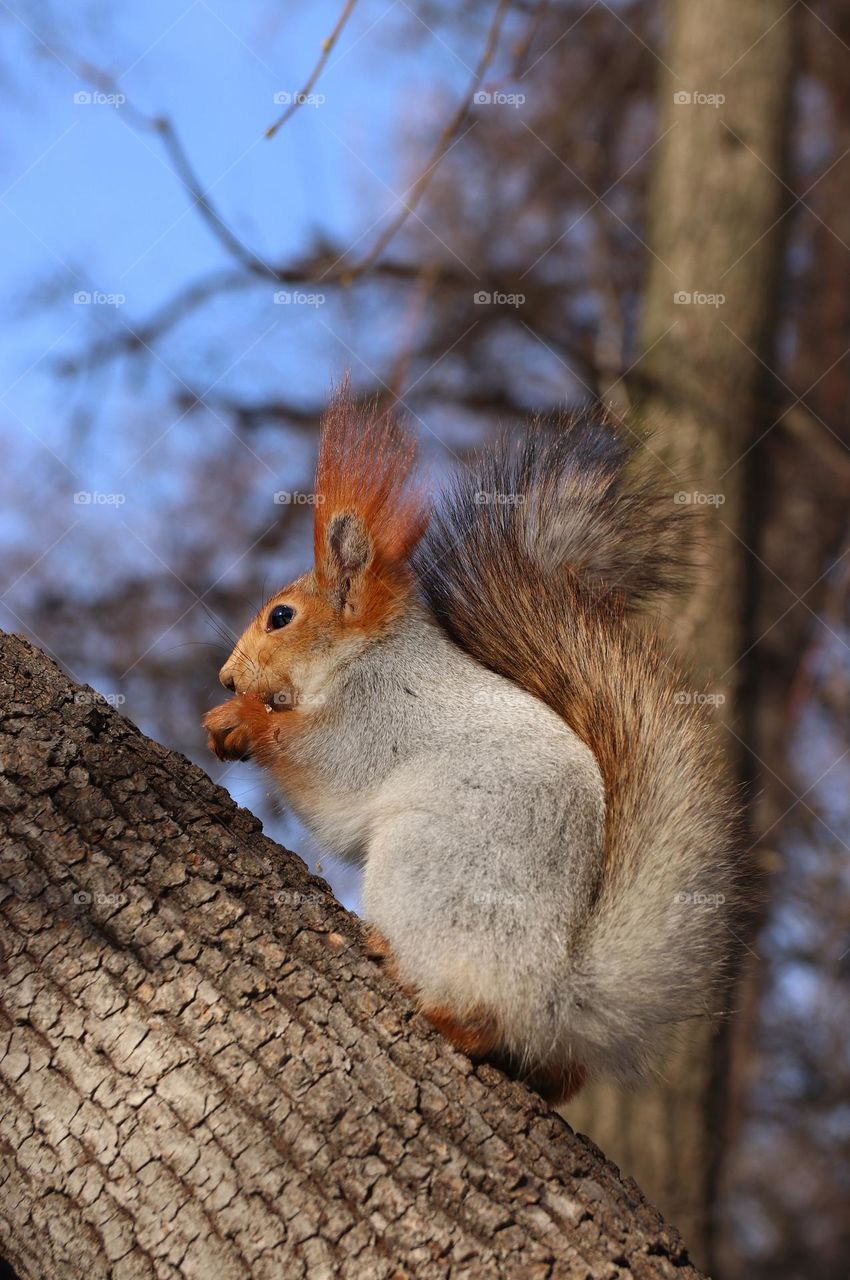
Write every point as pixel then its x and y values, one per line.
pixel 368 519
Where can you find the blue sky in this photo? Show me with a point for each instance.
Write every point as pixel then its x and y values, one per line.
pixel 90 204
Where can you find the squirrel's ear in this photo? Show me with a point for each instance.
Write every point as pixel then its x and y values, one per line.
pixel 369 515
pixel 349 552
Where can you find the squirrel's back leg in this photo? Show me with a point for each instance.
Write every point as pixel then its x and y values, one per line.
pixel 477 885
pixel 475 1036
pixel 558 1084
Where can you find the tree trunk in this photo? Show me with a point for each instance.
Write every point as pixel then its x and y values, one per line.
pixel 203 1076
pixel 715 236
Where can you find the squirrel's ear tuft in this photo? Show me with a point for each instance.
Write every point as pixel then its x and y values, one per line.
pixel 369 517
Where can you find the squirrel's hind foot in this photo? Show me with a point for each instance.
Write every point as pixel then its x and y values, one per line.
pixel 477 1035
pixel 474 1036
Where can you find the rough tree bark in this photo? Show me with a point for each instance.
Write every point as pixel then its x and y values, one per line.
pixel 715 228
pixel 202 1075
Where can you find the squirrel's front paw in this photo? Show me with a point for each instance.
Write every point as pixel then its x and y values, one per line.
pixel 231 727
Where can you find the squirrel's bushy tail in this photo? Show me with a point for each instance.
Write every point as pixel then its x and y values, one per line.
pixel 532 563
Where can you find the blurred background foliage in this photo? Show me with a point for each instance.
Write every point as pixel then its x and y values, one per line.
pixel 180 292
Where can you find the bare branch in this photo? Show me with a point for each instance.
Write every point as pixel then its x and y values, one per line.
pixel 327 47
pixel 445 141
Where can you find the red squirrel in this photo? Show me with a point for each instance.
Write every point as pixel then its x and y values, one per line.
pixel 456 696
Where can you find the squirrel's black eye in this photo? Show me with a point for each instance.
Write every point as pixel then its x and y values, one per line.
pixel 280 615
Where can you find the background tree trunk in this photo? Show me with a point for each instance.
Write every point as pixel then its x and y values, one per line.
pixel 202 1076
pixel 716 206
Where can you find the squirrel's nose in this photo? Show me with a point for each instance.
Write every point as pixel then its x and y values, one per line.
pixel 226 677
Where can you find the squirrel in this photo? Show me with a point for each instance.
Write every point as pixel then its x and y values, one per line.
pixel 461 699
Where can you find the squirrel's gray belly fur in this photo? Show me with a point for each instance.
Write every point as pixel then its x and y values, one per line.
pixel 482 860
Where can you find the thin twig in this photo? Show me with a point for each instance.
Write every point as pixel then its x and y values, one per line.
pixel 444 142
pixel 182 167
pixel 823 444
pixel 522 46
pixel 327 46
pixel 417 304
pixel 206 208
